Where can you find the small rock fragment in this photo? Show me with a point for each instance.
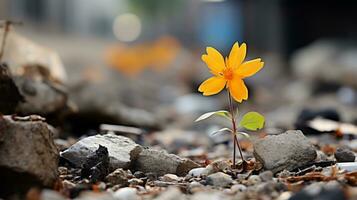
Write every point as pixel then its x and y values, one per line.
pixel 219 179
pixel 160 162
pixel 284 151
pixel 96 166
pixel 344 155
pixel 119 176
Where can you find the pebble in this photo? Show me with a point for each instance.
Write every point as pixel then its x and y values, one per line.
pixel 119 176
pixel 266 176
pixel 201 171
pixel 62 170
pixel 344 155
pixel 219 179
pixel 151 176
pixel 170 178
pixel 195 186
pixel 238 188
pixel 139 174
pixel 126 193
pixel 253 180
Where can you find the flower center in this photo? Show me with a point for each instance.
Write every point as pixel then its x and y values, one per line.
pixel 228 73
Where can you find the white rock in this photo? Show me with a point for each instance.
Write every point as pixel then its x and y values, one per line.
pixel 201 171
pixel 348 166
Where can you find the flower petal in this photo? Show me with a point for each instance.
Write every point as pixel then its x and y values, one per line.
pixel 238 89
pixel 237 54
pixel 214 60
pixel 212 85
pixel 249 68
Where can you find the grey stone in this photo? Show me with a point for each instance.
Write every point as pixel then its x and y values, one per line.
pixel 121 150
pixel 27 149
pixel 170 178
pixel 344 155
pixel 284 151
pixel 266 176
pixel 253 180
pixel 219 179
pixel 160 162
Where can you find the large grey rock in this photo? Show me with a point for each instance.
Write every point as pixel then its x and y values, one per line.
pixel 327 60
pixel 96 101
pixel 160 162
pixel 28 154
pixel 284 151
pixel 122 150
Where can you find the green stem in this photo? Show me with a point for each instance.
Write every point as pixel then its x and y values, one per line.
pixel 235 139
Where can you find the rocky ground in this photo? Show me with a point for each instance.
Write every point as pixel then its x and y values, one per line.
pixel 85 138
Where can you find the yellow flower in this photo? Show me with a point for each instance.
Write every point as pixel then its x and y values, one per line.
pixel 229 72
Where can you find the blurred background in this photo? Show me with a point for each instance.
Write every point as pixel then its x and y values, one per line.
pixel 137 62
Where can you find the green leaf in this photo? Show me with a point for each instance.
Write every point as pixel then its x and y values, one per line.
pixel 244 134
pixel 252 121
pixel 221 130
pixel 222 113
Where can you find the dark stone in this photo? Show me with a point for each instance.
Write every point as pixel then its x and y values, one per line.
pixel 344 155
pixel 96 166
pixel 307 115
pixel 10 95
pixel 139 174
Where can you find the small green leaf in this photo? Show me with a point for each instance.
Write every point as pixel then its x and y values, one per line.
pixel 244 134
pixel 221 130
pixel 222 113
pixel 252 121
